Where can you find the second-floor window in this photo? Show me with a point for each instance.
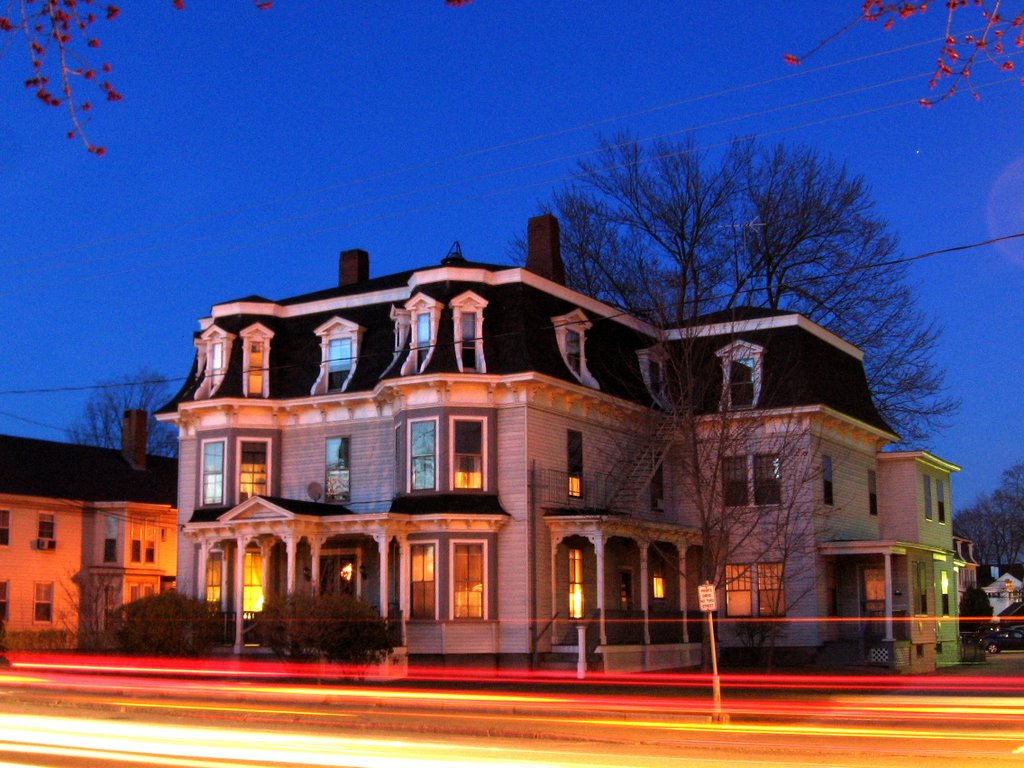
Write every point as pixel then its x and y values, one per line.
pixel 657 488
pixel 252 469
pixel 574 463
pixel 213 473
pixel 5 527
pixel 826 480
pixel 47 526
pixel 136 542
pixel 940 500
pixel 337 486
pixel 927 487
pixel 734 481
pixel 468 459
pixel 767 479
pixel 872 493
pixel 423 455
pixel 110 539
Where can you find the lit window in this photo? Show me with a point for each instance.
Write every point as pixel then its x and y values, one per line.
pixel 734 481
pixel 213 473
pixel 256 360
pixel 5 527
pixel 826 480
pixel 738 600
pixel 423 455
pixel 252 584
pixel 43 602
pixel 767 479
pixel 469 581
pixel 927 481
pixel 570 334
pixel 47 526
pixel 252 470
pixel 658 580
pixel 575 583
pixel 339 352
pixel 771 599
pixel 742 364
pixel 467 315
pixel 337 470
pixel 421 563
pixel 468 460
pixel 213 577
pixel 872 493
pixel 574 463
pixel 944 585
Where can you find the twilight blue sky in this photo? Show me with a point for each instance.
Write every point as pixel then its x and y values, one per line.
pixel 252 146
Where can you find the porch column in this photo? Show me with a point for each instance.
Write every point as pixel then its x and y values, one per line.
pixel 291 544
pixel 239 582
pixel 681 549
pixel 266 547
pixel 223 580
pixel 554 588
pixel 598 541
pixel 382 555
pixel 644 597
pixel 314 567
pixel 888 596
pixel 201 575
pixel 403 581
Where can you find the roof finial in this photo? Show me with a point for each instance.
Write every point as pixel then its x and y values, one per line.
pixel 454 255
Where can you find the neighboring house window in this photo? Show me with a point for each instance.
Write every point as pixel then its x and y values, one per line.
pixel 340 340
pixel 47 526
pixel 742 373
pixel 5 527
pixel 110 539
pixel 421 562
pixel 252 582
pixel 468 458
pixel 872 492
pixel 213 349
pixel 658 489
pixel 767 479
pixel 826 480
pixel 213 473
pixel 574 463
pixel 424 313
pixel 252 469
pixel 734 481
pixel 133 593
pixel 136 542
pixel 423 455
pixel 337 470
pixel 658 580
pixel 4 596
pixel 42 604
pixel 213 578
pixel 256 360
pixel 575 583
pixel 468 319
pixel 771 599
pixel 150 542
pixel 738 597
pixel 921 579
pixel 468 586
pixel 570 334
pixel 940 499
pixel 927 484
pixel 944 588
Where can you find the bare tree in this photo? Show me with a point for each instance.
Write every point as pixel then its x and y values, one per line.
pixel 995 521
pixel 669 233
pixel 100 422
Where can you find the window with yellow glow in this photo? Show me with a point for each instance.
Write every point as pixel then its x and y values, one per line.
pixel 575 583
pixel 256 368
pixel 468 460
pixel 252 471
pixel 738 600
pixel 252 584
pixel 213 583
pixel 658 581
pixel 771 600
pixel 469 581
pixel 574 463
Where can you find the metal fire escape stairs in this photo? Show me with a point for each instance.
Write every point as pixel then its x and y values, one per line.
pixel 651 448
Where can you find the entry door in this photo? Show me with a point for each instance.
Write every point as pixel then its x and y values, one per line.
pixel 338 574
pixel 873 600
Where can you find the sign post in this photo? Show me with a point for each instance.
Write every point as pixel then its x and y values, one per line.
pixel 708 600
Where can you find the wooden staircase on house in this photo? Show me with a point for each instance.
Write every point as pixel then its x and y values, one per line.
pixel 637 474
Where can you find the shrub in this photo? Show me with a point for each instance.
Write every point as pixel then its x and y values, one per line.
pixel 975 605
pixel 338 628
pixel 40 640
pixel 168 624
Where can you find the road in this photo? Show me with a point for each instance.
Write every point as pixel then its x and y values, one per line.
pixel 94 713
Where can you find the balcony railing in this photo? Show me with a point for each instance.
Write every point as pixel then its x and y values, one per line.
pixel 582 490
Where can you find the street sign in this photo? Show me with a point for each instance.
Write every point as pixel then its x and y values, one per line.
pixel 706 597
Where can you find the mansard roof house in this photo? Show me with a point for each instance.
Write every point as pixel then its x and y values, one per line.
pixel 491 460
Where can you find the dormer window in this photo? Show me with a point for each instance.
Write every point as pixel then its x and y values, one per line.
pixel 742 369
pixel 570 332
pixel 424 313
pixel 652 370
pixel 468 319
pixel 256 360
pixel 213 350
pixel 339 353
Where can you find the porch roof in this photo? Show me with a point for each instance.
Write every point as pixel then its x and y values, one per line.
pixel 877 547
pixel 295 506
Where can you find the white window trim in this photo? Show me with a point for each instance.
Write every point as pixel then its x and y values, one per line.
pixel 645 357
pixel 35 602
pixel 238 464
pixel 483 452
pixel 408 454
pixel 212 379
pixel 575 321
pixel 256 332
pixel 469 302
pixel 333 329
pixel 202 472
pixel 417 305
pixel 451 578
pixel 348 439
pixel 740 350
pixel 436 543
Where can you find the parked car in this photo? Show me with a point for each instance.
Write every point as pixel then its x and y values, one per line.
pixel 1003 640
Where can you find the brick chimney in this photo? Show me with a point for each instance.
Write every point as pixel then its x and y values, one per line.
pixel 353 267
pixel 543 250
pixel 133 438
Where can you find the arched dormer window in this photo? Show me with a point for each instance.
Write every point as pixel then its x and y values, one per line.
pixel 214 351
pixel 424 313
pixel 339 354
pixel 256 360
pixel 742 373
pixel 652 369
pixel 570 332
pixel 468 319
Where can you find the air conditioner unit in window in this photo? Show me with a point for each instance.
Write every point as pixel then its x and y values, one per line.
pixel 46 544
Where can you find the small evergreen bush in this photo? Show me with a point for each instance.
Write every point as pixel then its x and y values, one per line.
pixel 337 628
pixel 168 624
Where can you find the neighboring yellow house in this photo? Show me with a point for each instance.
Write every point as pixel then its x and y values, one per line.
pixel 82 530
